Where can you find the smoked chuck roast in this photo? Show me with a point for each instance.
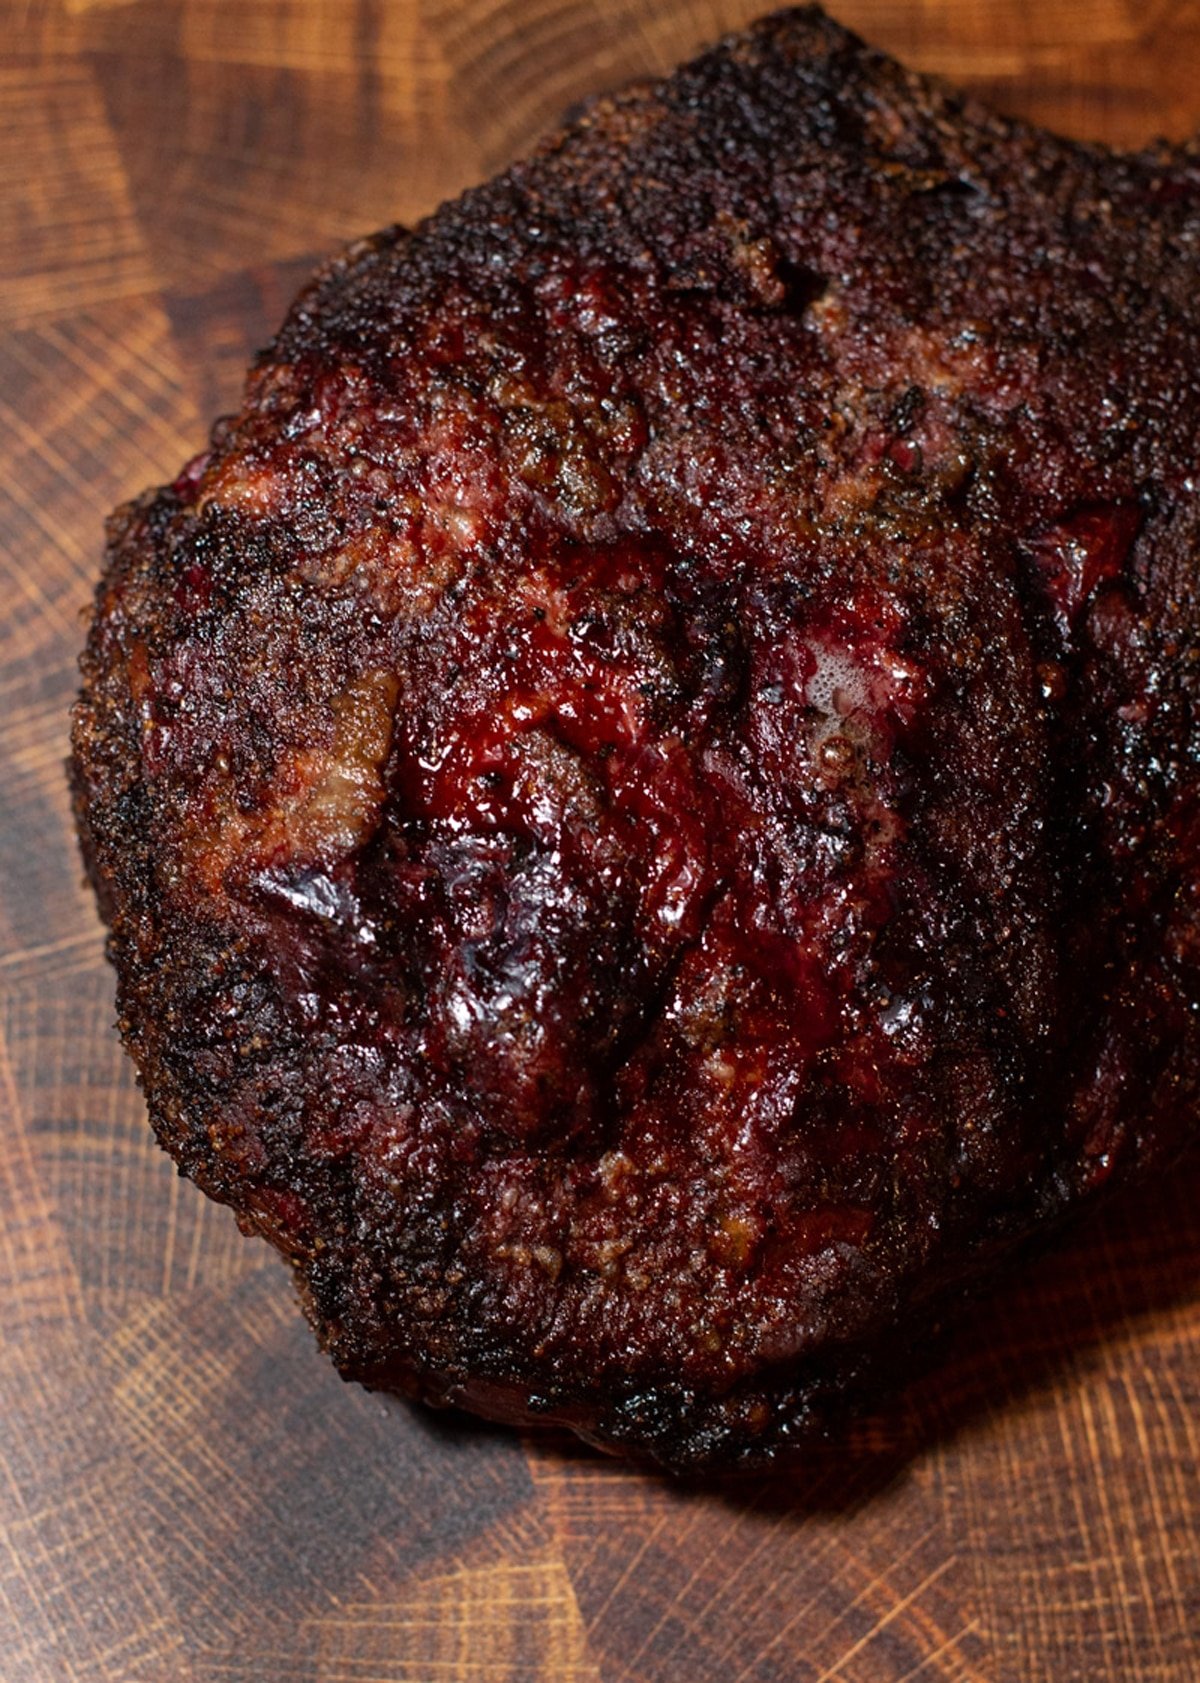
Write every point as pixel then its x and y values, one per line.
pixel 645 787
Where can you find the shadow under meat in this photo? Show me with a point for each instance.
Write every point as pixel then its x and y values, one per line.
pixel 1045 1320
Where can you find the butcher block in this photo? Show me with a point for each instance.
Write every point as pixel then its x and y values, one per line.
pixel 188 1493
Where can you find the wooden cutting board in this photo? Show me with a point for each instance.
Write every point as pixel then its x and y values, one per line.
pixel 187 1492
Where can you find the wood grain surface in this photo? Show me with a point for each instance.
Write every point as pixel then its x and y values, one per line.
pixel 187 1492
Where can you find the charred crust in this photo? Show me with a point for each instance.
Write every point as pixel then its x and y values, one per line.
pixel 644 786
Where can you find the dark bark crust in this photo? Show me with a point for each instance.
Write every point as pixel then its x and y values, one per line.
pixel 645 787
